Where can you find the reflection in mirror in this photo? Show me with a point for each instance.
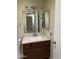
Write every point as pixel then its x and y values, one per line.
pixel 29 23
pixel 43 21
pixel 47 20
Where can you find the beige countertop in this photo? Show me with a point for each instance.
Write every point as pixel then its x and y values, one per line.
pixel 31 39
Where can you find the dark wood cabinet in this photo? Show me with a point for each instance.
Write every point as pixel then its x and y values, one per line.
pixel 37 50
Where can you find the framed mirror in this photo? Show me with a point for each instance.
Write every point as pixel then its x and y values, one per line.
pixel 37 21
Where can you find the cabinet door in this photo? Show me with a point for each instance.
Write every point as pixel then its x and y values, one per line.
pixel 38 53
pixel 40 50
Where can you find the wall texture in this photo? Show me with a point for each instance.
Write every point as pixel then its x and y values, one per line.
pixel 21 16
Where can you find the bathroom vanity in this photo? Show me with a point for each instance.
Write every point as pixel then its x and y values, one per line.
pixel 36 47
pixel 34 28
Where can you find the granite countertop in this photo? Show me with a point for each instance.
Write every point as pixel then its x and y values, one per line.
pixel 31 39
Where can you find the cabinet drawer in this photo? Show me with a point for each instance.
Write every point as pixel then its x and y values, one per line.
pixel 41 44
pixel 36 45
pixel 27 46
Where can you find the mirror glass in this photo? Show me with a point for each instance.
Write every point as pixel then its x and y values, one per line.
pixel 37 21
pixel 45 20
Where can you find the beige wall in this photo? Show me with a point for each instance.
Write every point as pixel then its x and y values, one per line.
pixel 21 16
